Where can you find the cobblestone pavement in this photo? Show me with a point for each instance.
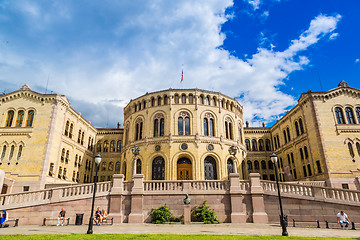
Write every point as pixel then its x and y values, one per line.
pixel 233 229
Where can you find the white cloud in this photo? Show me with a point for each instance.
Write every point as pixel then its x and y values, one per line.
pixel 142 50
pixel 254 3
pixel 333 36
pixel 357 60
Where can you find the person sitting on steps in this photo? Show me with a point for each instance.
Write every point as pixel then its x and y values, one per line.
pixel 98 217
pixel 61 217
pixel 343 218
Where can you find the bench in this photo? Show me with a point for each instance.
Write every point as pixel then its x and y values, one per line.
pixel 67 220
pixel 16 222
pixel 298 221
pixel 327 224
pixel 108 220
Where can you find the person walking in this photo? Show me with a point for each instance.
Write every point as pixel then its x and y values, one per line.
pixel 343 218
pixel 61 217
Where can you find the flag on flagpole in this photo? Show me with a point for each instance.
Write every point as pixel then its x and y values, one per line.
pixel 182 75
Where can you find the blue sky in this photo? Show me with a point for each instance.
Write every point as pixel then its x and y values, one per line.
pixel 101 54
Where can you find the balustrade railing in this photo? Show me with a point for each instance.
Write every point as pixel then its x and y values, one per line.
pixel 54 194
pixel 318 192
pixel 210 185
pixel 190 185
pixel 163 186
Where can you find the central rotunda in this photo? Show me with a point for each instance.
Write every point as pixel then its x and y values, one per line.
pixel 185 134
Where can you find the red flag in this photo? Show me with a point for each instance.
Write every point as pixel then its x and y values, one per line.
pixel 182 75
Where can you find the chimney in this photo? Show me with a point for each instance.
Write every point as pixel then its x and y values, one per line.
pixel 118 125
pixel 247 124
pixel 263 124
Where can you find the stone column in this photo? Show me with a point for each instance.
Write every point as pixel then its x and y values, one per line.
pixel 238 207
pixel 137 198
pixel 134 166
pixel 2 178
pixel 187 214
pixel 116 198
pixel 257 199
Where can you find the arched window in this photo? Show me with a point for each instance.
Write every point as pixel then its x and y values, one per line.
pixel 275 143
pixel 271 164
pixel 117 167
pixel 119 146
pixel 153 102
pixel 183 99
pixel 240 133
pixel 9 118
pixel 301 154
pixel 127 134
pixel 176 99
pixel 214 101
pixel 247 143
pixel 20 118
pixel 159 101
pixel 297 129
pixel 210 171
pixel 351 151
pixel 288 134
pixel 201 99
pixel 292 158
pixel 158 125
pixel 112 146
pixel 62 155
pixel 12 149
pixel 285 137
pixel 67 156
pixel 103 166
pixel 209 125
pixel 261 145
pixel 138 129
pixel 358 148
pixel 357 110
pixel 71 130
pixel 228 128
pixel 79 136
pixel 144 104
pixel 301 126
pixel 111 166
pixel 106 146
pixel 256 165
pixel 124 170
pixel 19 152
pixel 138 166
pixel 191 99
pixel 254 145
pixel 207 100
pixel 349 115
pixel 306 152
pixel 339 115
pixel 184 123
pixel 230 166
pixel 263 165
pixel 249 165
pixel 76 159
pixel 98 147
pixel 158 169
pixel 82 138
pixel 166 100
pixel 268 145
pixel 67 128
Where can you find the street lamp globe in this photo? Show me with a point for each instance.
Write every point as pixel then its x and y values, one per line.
pixel 273 157
pixel 98 159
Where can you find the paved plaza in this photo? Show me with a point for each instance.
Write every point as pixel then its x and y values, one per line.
pixel 230 229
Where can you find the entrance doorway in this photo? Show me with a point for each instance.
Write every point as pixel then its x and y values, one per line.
pixel 184 169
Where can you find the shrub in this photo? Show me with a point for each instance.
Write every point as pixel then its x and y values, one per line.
pixel 204 214
pixel 162 215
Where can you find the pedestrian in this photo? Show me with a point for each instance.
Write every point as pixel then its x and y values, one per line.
pixel 3 218
pixel 98 217
pixel 61 217
pixel 343 218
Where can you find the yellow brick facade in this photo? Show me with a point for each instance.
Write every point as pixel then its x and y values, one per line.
pixel 180 134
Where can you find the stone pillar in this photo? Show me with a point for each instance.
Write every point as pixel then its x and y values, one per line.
pixel 187 214
pixel 238 213
pixel 257 199
pixel 134 166
pixel 235 166
pixel 137 197
pixel 116 198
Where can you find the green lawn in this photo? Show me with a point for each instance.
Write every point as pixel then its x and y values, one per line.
pixel 152 237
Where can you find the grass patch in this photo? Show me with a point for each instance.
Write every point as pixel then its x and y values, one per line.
pixel 153 237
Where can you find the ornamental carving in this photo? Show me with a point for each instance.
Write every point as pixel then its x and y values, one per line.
pixel 227 119
pixel 208 115
pixel 184 114
pixel 159 116
pixel 139 120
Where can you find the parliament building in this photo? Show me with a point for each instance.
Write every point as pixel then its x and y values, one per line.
pixel 179 134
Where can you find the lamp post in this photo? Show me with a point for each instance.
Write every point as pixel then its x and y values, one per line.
pixel 91 221
pixel 283 218
pixel 233 150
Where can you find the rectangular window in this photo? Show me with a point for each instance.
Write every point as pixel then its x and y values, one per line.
pixel 345 186
pixel 309 169
pixel 318 165
pixel 27 188
pixel 295 177
pixel 305 173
